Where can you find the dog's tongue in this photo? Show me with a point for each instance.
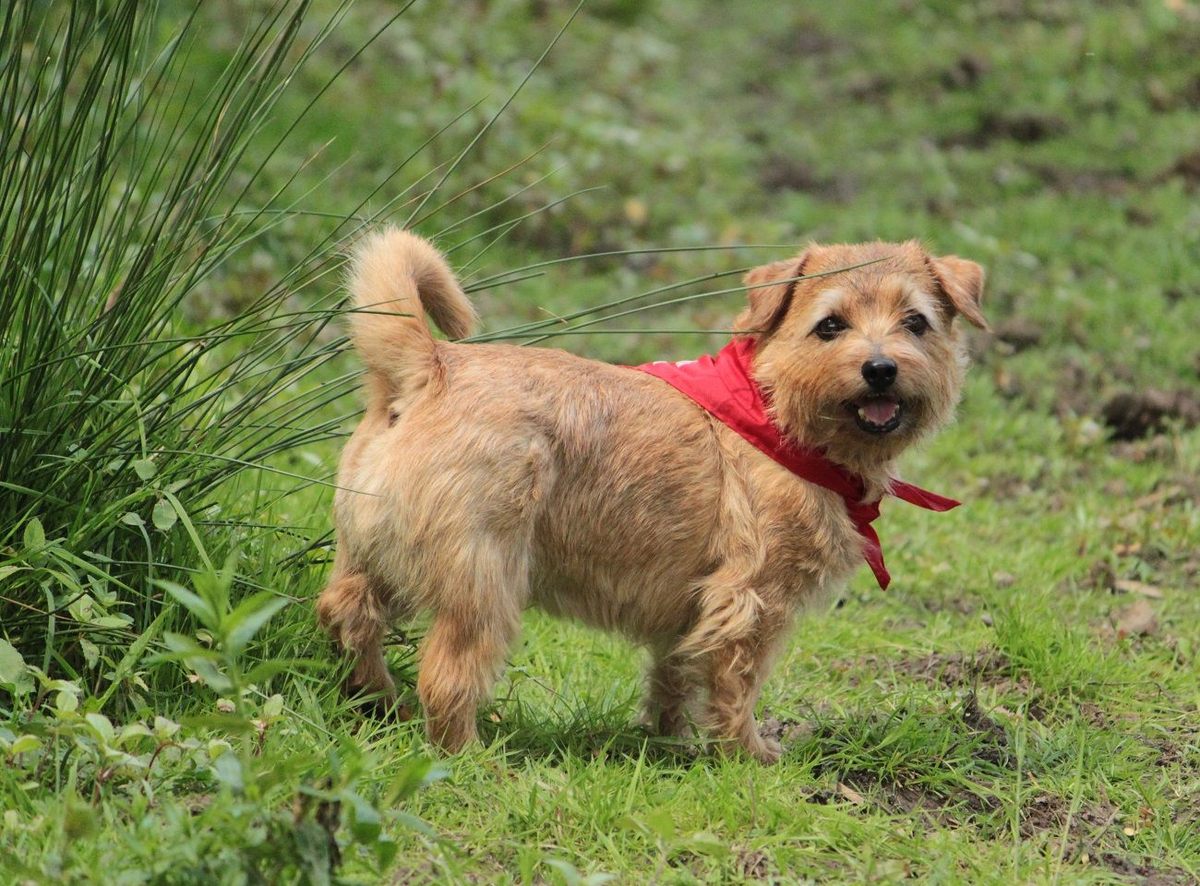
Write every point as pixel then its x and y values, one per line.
pixel 879 412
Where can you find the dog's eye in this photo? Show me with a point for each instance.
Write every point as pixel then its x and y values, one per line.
pixel 916 323
pixel 829 328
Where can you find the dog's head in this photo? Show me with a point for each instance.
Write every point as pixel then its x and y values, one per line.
pixel 865 355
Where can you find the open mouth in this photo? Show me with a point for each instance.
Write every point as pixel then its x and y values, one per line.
pixel 877 415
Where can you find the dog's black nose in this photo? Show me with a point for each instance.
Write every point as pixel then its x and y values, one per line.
pixel 880 373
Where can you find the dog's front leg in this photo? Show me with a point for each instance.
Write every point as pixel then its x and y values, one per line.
pixel 736 672
pixel 670 684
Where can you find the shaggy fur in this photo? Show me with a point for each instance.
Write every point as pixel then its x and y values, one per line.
pixel 487 478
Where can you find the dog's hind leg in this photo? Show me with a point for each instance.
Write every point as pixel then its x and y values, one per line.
pixel 473 626
pixel 356 615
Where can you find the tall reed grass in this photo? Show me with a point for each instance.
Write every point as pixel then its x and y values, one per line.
pixel 123 189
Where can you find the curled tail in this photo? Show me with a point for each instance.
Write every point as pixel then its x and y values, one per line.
pixel 396 279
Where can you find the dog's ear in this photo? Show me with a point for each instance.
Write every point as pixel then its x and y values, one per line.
pixel 961 283
pixel 770 292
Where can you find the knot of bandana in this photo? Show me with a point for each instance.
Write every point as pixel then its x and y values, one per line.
pixel 724 387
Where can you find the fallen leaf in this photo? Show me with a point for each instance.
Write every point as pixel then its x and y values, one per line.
pixel 1135 620
pixel 1161 496
pixel 850 794
pixel 1128 586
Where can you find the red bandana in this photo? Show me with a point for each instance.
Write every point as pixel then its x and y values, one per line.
pixel 725 388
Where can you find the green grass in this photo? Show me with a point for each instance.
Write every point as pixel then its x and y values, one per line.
pixel 980 722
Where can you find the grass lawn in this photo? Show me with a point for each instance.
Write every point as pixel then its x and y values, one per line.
pixel 1021 706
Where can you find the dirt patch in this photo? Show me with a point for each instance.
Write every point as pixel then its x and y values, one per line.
pixel 993 745
pixel 1175 294
pixel 1026 129
pixel 753 865
pixel 965 73
pixel 1019 333
pixel 1186 167
pixel 1163 99
pixel 870 87
pixel 1074 181
pixel 1140 216
pixel 1145 874
pixel 1179 750
pixel 985 667
pixel 1078 836
pixel 1156 449
pixel 1132 415
pixel 900 798
pixel 807 39
pixel 1138 619
pixel 782 173
pixel 1075 390
pixel 786 732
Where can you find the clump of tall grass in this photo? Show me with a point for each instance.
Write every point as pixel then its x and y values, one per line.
pixel 123 189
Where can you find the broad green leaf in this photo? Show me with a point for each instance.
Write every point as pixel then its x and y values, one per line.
pixel 228 771
pixel 6 571
pixel 102 725
pixel 365 821
pixel 566 870
pixel 129 518
pixel 263 671
pixel 248 619
pixel 385 850
pixel 145 468
pixel 25 743
pixel 413 823
pixel 272 707
pixel 705 843
pixel 186 648
pixel 415 773
pixel 91 652
pixel 14 673
pixel 35 535
pixel 50 685
pixel 83 608
pixel 192 602
pixel 224 722
pixel 131 731
pixel 661 823
pixel 80 820
pixel 115 620
pixel 212 677
pixel 164 515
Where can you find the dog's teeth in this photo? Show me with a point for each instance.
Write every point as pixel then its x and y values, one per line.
pixel 862 413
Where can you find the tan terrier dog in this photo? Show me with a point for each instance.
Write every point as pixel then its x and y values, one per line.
pixel 485 478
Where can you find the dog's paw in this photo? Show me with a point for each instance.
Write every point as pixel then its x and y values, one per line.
pixel 766 751
pixel 380 705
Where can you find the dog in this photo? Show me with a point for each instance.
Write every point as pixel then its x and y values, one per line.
pixel 486 478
